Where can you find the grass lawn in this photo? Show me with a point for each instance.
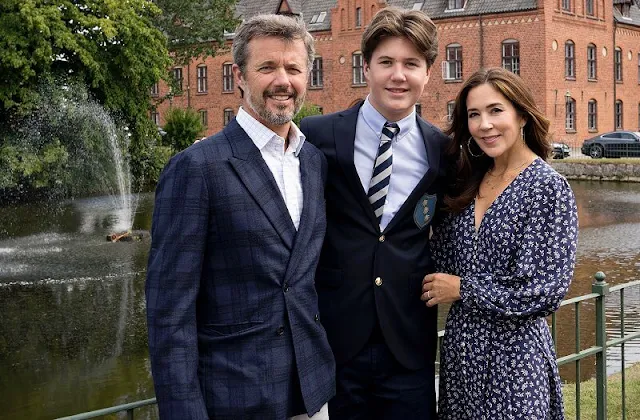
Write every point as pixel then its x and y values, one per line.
pixel 614 396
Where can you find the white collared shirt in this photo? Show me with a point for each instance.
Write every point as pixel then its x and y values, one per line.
pixel 284 164
pixel 409 157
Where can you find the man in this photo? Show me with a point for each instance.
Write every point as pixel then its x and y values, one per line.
pixel 386 171
pixel 238 224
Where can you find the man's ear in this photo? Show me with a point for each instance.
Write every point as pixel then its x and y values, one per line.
pixel 238 78
pixel 366 69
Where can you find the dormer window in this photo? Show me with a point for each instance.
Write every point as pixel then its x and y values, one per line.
pixel 456 5
pixel 624 7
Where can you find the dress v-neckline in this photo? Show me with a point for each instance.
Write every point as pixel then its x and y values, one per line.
pixel 476 229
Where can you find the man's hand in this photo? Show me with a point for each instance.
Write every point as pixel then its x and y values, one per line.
pixel 440 288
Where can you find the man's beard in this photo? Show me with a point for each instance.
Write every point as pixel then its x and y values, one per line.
pixel 282 115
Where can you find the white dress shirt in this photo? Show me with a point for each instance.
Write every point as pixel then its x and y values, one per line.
pixel 409 156
pixel 284 164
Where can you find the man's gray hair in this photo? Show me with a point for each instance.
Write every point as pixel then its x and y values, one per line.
pixel 260 26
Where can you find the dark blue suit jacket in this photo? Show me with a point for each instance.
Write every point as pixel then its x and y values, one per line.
pixel 234 330
pixel 355 252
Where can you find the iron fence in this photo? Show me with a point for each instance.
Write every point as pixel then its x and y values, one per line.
pixel 600 290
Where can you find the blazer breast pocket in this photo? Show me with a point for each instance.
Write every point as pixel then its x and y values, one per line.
pixel 424 210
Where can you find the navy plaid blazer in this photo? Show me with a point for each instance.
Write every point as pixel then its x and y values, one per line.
pixel 232 309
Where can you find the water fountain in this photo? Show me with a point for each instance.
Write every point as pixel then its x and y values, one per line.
pixel 97 148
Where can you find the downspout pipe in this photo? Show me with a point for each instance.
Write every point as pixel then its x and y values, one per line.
pixel 615 82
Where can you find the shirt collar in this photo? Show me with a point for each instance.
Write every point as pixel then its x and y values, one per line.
pixel 376 121
pixel 262 135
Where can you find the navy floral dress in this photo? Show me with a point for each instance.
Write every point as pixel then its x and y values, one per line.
pixel 497 357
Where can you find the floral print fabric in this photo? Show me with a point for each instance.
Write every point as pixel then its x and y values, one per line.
pixel 497 356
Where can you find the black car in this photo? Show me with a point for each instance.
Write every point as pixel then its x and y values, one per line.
pixel 613 145
pixel 560 150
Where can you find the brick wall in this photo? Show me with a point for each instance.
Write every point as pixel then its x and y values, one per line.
pixel 542 35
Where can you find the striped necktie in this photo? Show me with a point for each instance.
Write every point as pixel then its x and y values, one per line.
pixel 379 185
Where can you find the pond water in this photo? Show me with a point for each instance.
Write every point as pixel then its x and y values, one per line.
pixel 72 312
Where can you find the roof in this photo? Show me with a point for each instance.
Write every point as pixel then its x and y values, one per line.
pixel 437 9
pixel 316 11
pixel 634 15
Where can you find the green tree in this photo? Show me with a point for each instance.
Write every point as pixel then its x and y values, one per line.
pixel 195 28
pixel 183 127
pixel 306 111
pixel 114 48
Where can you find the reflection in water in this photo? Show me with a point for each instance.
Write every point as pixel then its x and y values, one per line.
pixel 73 334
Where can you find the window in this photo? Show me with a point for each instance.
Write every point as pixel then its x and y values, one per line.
pixel 569 60
pixel 566 5
pixel 589 7
pixel 452 68
pixel 177 77
pixel 316 73
pixel 592 122
pixel 419 109
pixel 618 116
pixel 456 4
pixel 511 56
pixel 155 117
pixel 450 106
pixel 228 116
pixel 592 64
pixel 203 117
pixel 617 58
pixel 358 17
pixel 227 78
pixel 570 121
pixel 638 68
pixel 358 69
pixel 155 89
pixel 202 79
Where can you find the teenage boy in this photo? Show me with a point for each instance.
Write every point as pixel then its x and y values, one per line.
pixel 386 169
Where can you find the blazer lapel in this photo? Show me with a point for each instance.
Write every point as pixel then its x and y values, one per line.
pixel 311 187
pixel 433 159
pixel 258 180
pixel 344 133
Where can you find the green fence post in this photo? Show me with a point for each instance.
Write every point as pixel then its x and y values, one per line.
pixel 601 287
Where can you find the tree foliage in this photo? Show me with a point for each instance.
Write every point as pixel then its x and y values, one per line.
pixel 182 127
pixel 306 111
pixel 113 48
pixel 195 28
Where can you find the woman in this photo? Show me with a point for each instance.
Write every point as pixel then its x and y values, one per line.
pixel 505 251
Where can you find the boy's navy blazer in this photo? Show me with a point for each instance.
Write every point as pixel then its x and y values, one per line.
pixel 365 274
pixel 231 303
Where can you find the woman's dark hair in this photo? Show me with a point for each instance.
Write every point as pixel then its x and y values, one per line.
pixel 470 170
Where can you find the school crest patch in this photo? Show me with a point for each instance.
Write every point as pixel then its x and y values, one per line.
pixel 425 210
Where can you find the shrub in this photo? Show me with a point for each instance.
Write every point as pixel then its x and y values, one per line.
pixel 183 127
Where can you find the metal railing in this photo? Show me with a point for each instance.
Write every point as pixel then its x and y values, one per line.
pixel 124 408
pixel 600 290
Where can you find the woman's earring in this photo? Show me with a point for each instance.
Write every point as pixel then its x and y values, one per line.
pixel 469 148
pixel 522 135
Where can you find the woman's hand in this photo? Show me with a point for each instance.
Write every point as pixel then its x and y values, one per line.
pixel 440 288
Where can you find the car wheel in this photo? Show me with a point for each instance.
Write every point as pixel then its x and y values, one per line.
pixel 596 151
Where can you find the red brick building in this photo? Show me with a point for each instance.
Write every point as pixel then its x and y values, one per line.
pixel 581 58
